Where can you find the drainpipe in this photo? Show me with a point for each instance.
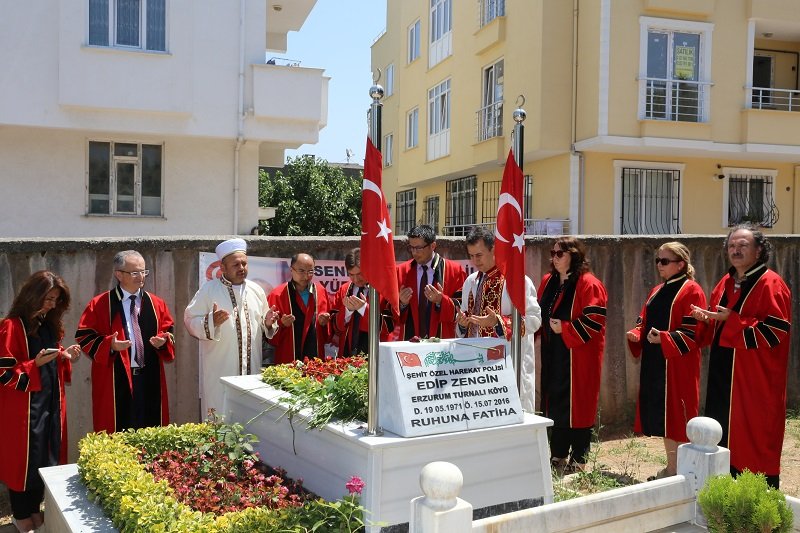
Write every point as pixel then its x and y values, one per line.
pixel 239 119
pixel 576 157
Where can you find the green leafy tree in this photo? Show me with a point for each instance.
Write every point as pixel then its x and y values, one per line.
pixel 311 197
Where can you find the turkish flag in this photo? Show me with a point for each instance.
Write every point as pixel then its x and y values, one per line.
pixel 498 352
pixel 408 359
pixel 377 244
pixel 509 235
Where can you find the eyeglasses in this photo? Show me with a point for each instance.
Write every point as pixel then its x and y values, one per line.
pixel 136 273
pixel 663 261
pixel 303 272
pixel 417 248
pixel 557 253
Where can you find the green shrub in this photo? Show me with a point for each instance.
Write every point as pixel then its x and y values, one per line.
pixel 746 504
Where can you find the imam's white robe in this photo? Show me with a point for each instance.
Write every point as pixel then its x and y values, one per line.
pixel 223 351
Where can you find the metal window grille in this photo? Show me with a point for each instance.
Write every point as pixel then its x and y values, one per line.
pixel 406 211
pixel 490 196
pixel 650 201
pixel 430 212
pixel 460 207
pixel 750 199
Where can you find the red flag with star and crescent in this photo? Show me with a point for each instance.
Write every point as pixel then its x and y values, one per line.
pixel 509 235
pixel 377 244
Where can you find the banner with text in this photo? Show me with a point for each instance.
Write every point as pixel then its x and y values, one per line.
pixel 451 385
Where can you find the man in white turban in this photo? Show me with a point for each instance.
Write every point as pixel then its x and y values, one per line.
pixel 229 315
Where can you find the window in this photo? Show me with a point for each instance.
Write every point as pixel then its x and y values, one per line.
pixel 674 70
pixel 647 197
pixel 490 197
pixel 413 41
pixel 749 196
pixel 490 115
pixel 412 128
pixel 430 212
pixel 124 179
pixel 388 146
pixel 441 23
pixel 461 199
pixel 439 120
pixel 128 24
pixel 406 211
pixel 390 80
pixel 491 9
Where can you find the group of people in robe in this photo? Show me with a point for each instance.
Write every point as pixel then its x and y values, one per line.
pixel 127 333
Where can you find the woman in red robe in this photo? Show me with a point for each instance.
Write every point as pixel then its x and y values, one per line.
pixel 666 338
pixel 573 303
pixel 33 370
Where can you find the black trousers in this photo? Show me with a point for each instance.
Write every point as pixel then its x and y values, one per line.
pixel 579 440
pixel 24 504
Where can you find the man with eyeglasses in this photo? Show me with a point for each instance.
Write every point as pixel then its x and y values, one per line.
pixel 302 305
pixel 230 316
pixel 127 333
pixel 350 310
pixel 747 326
pixel 430 288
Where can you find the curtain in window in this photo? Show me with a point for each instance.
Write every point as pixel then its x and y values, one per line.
pixel 98 22
pixel 156 25
pixel 128 17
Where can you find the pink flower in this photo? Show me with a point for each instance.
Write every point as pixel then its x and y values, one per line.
pixel 355 485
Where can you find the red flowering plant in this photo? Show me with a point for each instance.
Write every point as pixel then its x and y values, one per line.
pixel 203 477
pixel 330 389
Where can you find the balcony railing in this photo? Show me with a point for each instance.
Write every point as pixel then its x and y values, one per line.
pixel 778 99
pixel 533 226
pixel 675 100
pixel 490 10
pixel 490 121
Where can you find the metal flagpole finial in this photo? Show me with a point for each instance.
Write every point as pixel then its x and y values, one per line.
pixel 376 92
pixel 519 113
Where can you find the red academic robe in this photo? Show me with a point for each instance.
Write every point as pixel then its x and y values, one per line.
pixel 571 365
pixel 306 337
pixel 442 318
pixel 669 382
pixel 112 383
pixel 345 329
pixel 748 367
pixel 19 377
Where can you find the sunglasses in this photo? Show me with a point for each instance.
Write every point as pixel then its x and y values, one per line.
pixel 663 261
pixel 557 253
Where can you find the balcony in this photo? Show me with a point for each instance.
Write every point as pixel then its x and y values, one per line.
pixel 294 97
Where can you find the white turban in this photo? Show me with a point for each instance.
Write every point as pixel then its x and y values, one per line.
pixel 230 246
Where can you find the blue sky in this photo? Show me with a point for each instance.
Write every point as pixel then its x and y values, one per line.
pixel 337 37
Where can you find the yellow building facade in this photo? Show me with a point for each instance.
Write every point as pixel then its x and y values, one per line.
pixel 643 116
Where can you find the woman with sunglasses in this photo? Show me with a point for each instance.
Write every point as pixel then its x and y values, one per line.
pixel 665 337
pixel 33 370
pixel 573 303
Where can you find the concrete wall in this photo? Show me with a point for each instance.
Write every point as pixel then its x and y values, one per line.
pixel 624 264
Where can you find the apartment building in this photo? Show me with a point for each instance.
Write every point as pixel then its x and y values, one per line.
pixel 147 117
pixel 643 116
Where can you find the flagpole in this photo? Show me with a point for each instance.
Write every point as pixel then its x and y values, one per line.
pixel 375 109
pixel 516 330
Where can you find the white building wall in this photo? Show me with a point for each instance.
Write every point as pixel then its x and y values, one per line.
pixel 44 173
pixel 56 93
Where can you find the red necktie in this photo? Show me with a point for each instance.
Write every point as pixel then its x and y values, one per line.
pixel 137 334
